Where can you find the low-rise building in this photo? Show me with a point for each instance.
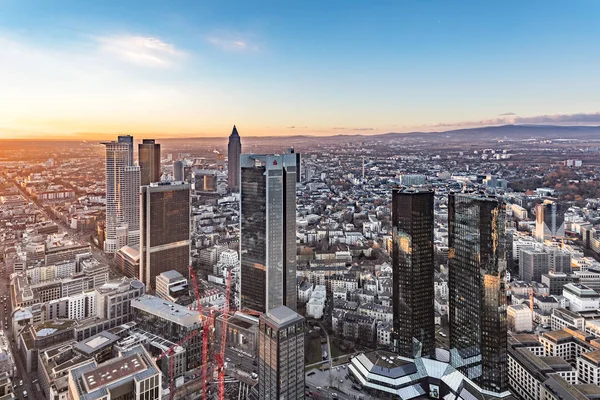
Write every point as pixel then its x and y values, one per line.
pixel 519 318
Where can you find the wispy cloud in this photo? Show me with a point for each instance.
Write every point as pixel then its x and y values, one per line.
pixel 141 50
pixel 232 42
pixel 507 113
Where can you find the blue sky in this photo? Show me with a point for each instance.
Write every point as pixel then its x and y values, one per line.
pixel 197 67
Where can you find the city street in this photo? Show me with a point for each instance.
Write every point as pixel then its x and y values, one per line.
pixel 332 381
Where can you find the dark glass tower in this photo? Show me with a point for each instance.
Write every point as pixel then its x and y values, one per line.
pixel 165 230
pixel 149 159
pixel 413 272
pixel 477 268
pixel 268 231
pixel 234 149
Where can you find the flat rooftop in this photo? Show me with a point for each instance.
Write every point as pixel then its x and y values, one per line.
pixel 110 372
pixel 593 356
pixel 166 310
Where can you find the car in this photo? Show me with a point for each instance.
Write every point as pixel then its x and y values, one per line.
pixel 24 393
pixel 341 381
pixel 344 366
pixel 333 394
pixel 310 373
pixel 318 387
pixel 21 383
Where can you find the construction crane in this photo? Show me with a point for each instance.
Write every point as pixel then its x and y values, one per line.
pixel 206 328
pixel 221 358
pixel 171 352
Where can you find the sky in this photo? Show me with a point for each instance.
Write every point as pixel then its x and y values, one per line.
pixel 88 69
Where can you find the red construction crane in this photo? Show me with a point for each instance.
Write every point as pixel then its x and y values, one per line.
pixel 171 352
pixel 206 327
pixel 221 358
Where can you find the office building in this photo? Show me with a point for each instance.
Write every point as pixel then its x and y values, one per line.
pixel 533 264
pixel 549 221
pixel 581 297
pixel 165 226
pixel 413 272
pixel 131 375
pixel 171 285
pixel 234 150
pixel 519 318
pixel 122 195
pixel 169 321
pixel 477 289
pixel 298 164
pixel 268 231
pixel 127 260
pixel 281 355
pixel 149 160
pixel 178 171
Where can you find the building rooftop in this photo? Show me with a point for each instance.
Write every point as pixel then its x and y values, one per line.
pixel 97 342
pixel 172 276
pixel 170 311
pixel 593 356
pixel 113 370
pixel 283 316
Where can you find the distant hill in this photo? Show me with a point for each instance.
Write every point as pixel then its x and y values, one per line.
pixel 512 132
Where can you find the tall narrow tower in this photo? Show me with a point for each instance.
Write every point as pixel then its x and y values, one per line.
pixel 413 272
pixel 477 289
pixel 234 149
pixel 149 160
pixel 268 231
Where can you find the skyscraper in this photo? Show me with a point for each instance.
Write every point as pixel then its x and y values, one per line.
pixel 149 159
pixel 413 272
pixel 178 171
pixel 165 230
pixel 122 195
pixel 298 164
pixel 234 149
pixel 477 289
pixel 268 231
pixel 549 221
pixel 281 355
pixel 128 140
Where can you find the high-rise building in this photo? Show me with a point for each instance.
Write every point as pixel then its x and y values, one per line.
pixel 533 264
pixel 477 289
pixel 298 164
pixel 549 221
pixel 413 272
pixel 281 355
pixel 268 231
pixel 122 195
pixel 127 140
pixel 234 149
pixel 165 230
pixel 149 160
pixel 178 171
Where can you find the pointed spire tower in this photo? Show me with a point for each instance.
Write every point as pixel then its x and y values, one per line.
pixel 234 149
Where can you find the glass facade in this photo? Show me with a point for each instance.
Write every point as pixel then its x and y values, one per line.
pixel 149 160
pixel 234 149
pixel 477 298
pixel 165 236
pixel 268 232
pixel 413 272
pixel 281 357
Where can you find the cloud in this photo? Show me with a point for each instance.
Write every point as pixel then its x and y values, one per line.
pixel 141 50
pixel 506 114
pixel 342 128
pixel 291 127
pixel 512 118
pixel 231 43
pixel 363 129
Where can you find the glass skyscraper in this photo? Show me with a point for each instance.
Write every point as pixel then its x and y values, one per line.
pixel 268 231
pixel 149 159
pixel 234 149
pixel 477 289
pixel 165 230
pixel 413 272
pixel 281 355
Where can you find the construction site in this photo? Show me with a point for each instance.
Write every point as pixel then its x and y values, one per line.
pixel 215 377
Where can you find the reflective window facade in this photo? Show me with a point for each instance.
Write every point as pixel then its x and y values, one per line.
pixel 268 231
pixel 477 298
pixel 165 236
pixel 413 272
pixel 234 149
pixel 149 160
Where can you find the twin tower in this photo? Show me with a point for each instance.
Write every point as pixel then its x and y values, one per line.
pixel 477 288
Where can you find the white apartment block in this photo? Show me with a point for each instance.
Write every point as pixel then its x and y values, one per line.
pixel 588 368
